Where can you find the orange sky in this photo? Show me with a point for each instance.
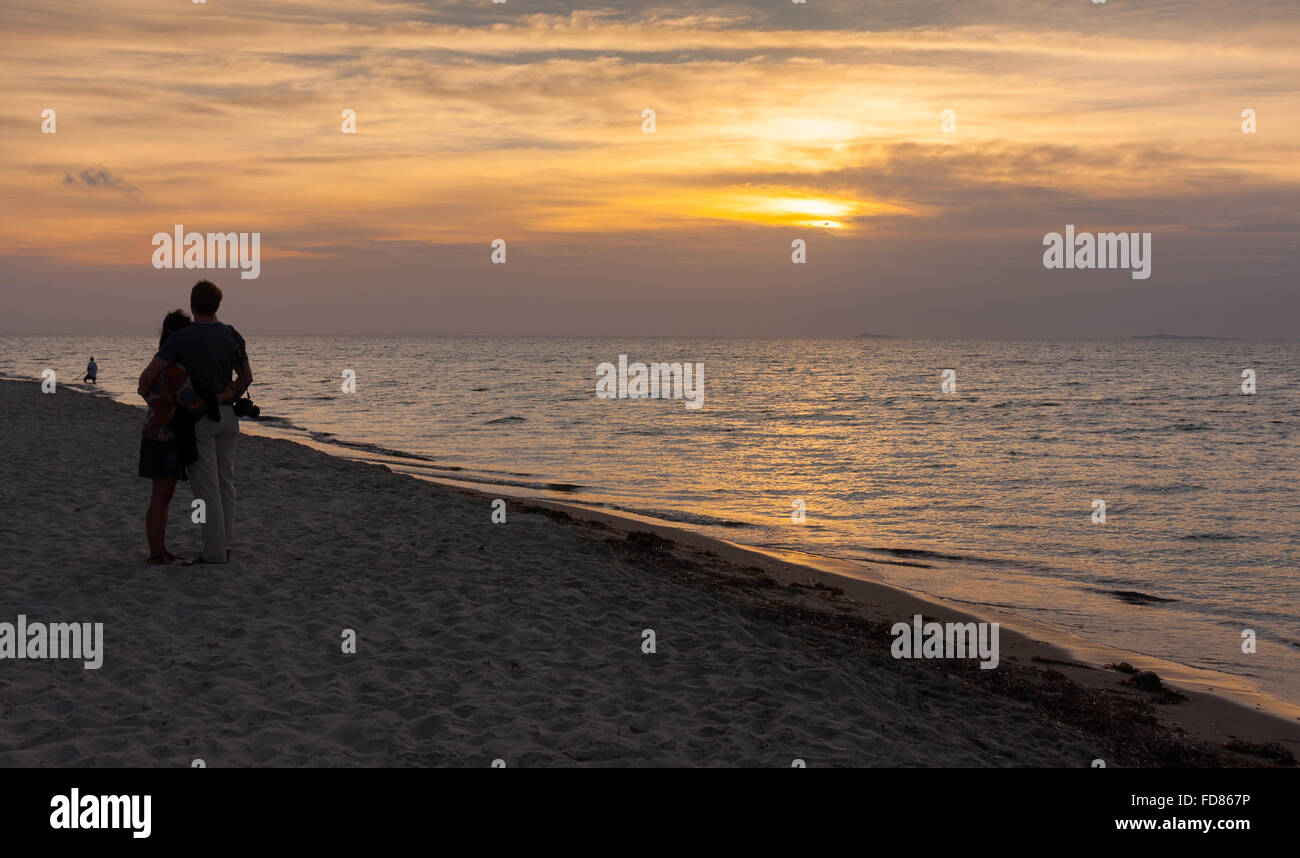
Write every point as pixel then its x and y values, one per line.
pixel 524 121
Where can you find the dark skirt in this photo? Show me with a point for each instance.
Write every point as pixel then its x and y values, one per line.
pixel 161 460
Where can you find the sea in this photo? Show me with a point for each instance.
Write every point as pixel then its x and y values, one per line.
pixel 1130 492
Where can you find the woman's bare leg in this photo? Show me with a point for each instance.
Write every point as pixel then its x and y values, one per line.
pixel 155 518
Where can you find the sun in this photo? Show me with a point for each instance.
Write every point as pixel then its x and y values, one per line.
pixel 776 208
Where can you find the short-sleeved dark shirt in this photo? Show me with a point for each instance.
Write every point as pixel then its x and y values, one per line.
pixel 209 351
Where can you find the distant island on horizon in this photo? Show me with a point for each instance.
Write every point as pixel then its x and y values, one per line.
pixel 1178 337
pixel 1138 337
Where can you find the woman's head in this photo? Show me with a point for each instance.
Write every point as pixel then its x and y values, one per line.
pixel 173 321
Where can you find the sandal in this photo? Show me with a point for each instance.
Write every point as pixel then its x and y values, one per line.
pixel 169 557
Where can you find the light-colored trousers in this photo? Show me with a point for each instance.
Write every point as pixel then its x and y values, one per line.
pixel 212 479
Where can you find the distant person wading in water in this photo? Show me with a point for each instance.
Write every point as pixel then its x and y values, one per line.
pixel 92 371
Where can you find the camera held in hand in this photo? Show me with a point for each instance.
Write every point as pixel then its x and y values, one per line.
pixel 244 407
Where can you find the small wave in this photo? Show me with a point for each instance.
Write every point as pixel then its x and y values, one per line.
pixel 328 438
pixel 683 517
pixel 1005 562
pixel 921 552
pixel 1171 488
pixel 479 478
pixel 1135 597
pixel 432 469
pixel 1212 537
pixel 511 419
pixel 282 422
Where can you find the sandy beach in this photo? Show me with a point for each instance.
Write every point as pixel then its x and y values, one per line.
pixel 477 641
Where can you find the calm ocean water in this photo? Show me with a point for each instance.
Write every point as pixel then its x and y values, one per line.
pixel 984 495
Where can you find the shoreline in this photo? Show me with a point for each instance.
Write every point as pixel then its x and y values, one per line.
pixel 793 608
pixel 1226 693
pixel 1072 643
pixel 1228 707
pixel 1216 714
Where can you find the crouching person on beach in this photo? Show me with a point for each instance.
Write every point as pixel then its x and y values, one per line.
pixel 211 353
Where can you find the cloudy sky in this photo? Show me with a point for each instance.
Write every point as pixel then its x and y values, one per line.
pixel 774 121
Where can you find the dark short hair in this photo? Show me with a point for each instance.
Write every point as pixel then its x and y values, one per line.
pixel 172 322
pixel 205 298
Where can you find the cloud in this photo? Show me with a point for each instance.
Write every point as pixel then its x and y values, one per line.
pixel 523 120
pixel 100 177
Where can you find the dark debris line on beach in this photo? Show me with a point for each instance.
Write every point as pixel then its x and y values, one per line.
pixel 1125 726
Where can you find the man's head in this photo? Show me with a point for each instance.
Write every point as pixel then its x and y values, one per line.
pixel 205 298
